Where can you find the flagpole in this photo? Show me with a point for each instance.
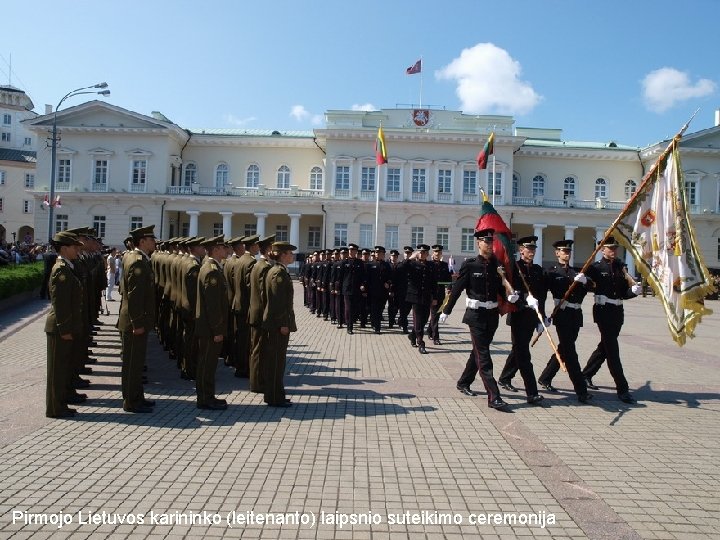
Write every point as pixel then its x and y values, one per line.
pixel 646 179
pixel 377 203
pixel 493 180
pixel 421 80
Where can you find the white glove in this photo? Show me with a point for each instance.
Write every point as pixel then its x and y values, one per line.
pixel 540 329
pixel 636 289
pixel 443 318
pixel 548 321
pixel 580 278
pixel 532 302
pixel 514 297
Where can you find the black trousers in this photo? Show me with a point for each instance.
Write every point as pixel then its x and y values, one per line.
pixel 377 305
pixel 405 308
pixel 352 304
pixel 434 326
pixel 340 308
pixel 393 309
pixel 480 361
pixel 522 327
pixel 567 336
pixel 421 313
pixel 609 319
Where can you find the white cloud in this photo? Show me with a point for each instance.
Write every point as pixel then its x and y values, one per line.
pixel 488 81
pixel 299 113
pixel 317 119
pixel 364 107
pixel 665 87
pixel 235 121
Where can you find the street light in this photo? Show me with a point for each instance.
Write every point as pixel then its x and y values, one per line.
pixel 99 88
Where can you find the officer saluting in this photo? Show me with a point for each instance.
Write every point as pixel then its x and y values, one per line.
pixel 444 282
pixel 421 293
pixel 211 322
pixel 63 326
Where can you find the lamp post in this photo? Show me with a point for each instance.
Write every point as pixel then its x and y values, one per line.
pixel 103 91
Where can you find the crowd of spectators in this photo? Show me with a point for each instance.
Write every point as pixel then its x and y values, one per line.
pixel 21 253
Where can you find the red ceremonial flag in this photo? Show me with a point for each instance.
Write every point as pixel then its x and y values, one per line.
pixel 57 202
pixel 502 245
pixel 46 201
pixel 486 152
pixel 415 68
pixel 380 147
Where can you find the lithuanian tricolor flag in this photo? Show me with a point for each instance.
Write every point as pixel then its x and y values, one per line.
pixel 486 152
pixel 380 148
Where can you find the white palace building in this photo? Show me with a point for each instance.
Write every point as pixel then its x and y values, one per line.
pixel 118 170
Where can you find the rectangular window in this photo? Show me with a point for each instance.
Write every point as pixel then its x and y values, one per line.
pixel 419 184
pixel 443 236
pixel 313 237
pixel 417 236
pixel 99 225
pixel 61 222
pixel 316 179
pixel 367 240
pixel 469 182
pixel 63 171
pixel 28 141
pixel 342 177
pixel 250 229
pixel 5 137
pixel 444 181
pixel 1 204
pixel 281 233
pixel 139 171
pixel 392 237
pixel 467 240
pixel 393 180
pixel 29 180
pixel 495 188
pixel 136 222
pixel 217 229
pixel 7 119
pixel 2 178
pixel 367 179
pixel 185 229
pixel 27 207
pixel 101 170
pixel 340 235
pixel 691 193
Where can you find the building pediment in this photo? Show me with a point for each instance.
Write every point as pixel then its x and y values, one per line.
pixel 138 153
pixel 101 152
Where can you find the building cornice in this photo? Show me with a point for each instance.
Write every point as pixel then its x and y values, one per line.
pixel 250 142
pixel 578 153
pixel 418 135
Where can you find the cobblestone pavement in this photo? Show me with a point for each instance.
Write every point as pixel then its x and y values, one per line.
pixel 378 444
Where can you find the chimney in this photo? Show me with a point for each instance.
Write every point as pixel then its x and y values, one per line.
pixel 717 117
pixel 48 109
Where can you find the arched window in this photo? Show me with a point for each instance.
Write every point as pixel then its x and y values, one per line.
pixel 316 179
pixel 600 188
pixel 630 188
pixel 283 177
pixel 222 175
pixel 569 187
pixel 252 178
pixel 538 189
pixel 190 175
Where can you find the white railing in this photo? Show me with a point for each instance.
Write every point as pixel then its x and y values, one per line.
pixel 555 203
pixel 524 201
pixel 179 190
pixel 579 203
pixel 470 198
pixel 99 187
pixel 367 196
pixel 342 193
pixel 138 188
pixel 393 196
pixel 444 197
pixel 419 196
pixel 62 186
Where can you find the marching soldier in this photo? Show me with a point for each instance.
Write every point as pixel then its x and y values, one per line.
pixel 136 319
pixel 241 303
pixel 480 280
pixel 63 326
pixel 379 282
pixel 278 321
pixel 393 299
pixel 443 288
pixel 612 286
pixel 211 314
pixel 568 320
pixel 400 286
pixel 352 277
pixel 256 308
pixel 364 304
pixel 529 280
pixel 421 293
pixel 337 286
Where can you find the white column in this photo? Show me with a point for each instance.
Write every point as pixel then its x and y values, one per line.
pixel 295 229
pixel 538 231
pixel 193 231
pixel 227 223
pixel 599 235
pixel 261 223
pixel 570 235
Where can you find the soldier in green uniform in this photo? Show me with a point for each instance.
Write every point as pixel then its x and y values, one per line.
pixel 63 326
pixel 191 269
pixel 230 265
pixel 137 318
pixel 256 308
pixel 241 303
pixel 278 321
pixel 211 316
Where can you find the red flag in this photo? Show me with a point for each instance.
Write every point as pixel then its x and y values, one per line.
pixel 502 244
pixel 415 68
pixel 57 202
pixel 46 201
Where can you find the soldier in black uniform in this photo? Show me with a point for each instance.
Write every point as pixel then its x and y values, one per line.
pixel 443 288
pixel 364 305
pixel 393 300
pixel 313 280
pixel 568 320
pixel 337 287
pixel 480 280
pixel 321 291
pixel 400 286
pixel 379 281
pixel 612 286
pixel 352 277
pixel 421 293
pixel 524 321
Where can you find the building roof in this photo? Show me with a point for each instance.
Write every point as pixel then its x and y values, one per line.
pixel 23 156
pixel 231 132
pixel 578 144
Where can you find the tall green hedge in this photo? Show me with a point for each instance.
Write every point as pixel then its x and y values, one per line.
pixel 20 278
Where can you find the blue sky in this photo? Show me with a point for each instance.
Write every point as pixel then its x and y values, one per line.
pixel 631 71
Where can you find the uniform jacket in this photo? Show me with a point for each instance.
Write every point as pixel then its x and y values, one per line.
pixel 137 309
pixel 480 280
pixel 378 274
pixel 212 307
pixel 191 270
pixel 257 291
pixel 351 276
pixel 422 283
pixel 558 279
pixel 66 301
pixel 242 273
pixel 279 299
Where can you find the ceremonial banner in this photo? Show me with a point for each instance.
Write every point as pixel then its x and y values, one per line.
pixel 486 152
pixel 657 232
pixel 502 243
pixel 380 148
pixel 415 68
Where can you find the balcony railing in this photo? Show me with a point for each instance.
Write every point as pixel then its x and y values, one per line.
pixel 419 196
pixel 99 187
pixel 470 198
pixel 179 190
pixel 393 196
pixel 138 188
pixel 444 197
pixel 342 193
pixel 367 195
pixel 62 186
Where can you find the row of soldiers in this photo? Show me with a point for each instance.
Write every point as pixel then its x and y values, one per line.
pixel 347 285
